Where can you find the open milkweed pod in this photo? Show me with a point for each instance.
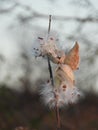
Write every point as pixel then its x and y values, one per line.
pixel 72 57
pixel 69 94
pixel 45 48
pixel 64 94
pixel 60 56
pixel 57 57
pixel 64 73
pixel 49 48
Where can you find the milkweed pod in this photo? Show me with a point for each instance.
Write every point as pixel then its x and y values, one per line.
pixel 57 56
pixel 64 73
pixel 72 57
pixel 49 48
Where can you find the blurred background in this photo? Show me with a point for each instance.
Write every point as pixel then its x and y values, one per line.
pixel 21 23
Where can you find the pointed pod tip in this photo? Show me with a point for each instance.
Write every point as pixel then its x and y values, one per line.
pixel 76 46
pixel 76 43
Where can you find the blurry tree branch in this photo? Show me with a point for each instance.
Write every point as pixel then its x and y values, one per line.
pixel 8 10
pixel 57 17
pixel 68 18
pixel 34 14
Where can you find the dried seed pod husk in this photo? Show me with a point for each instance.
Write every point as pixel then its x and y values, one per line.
pixel 57 57
pixel 64 73
pixel 72 57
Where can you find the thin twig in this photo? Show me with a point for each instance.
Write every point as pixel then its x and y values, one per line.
pixel 49 64
pixel 58 117
pixel 49 27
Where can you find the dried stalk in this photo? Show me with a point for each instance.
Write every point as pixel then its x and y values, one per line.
pixel 52 82
pixel 49 64
pixel 58 117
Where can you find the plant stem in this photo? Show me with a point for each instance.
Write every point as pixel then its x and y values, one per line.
pixel 50 71
pixel 58 117
pixel 52 82
pixel 49 64
pixel 49 27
